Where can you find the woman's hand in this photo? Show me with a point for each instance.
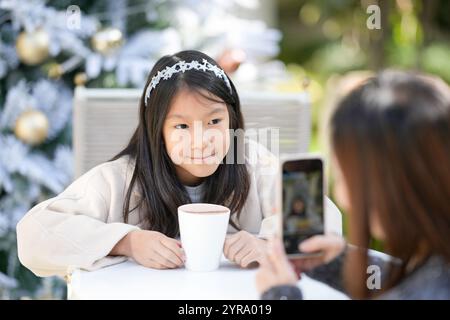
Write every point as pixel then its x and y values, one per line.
pixel 244 248
pixel 275 268
pixel 330 245
pixel 151 249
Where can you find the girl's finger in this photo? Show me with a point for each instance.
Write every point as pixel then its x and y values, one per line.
pixel 159 257
pixel 234 249
pixel 249 258
pixel 170 256
pixel 155 265
pixel 229 241
pixel 174 247
pixel 241 254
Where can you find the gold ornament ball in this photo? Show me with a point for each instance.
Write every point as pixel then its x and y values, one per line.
pixel 55 71
pixel 33 47
pixel 80 79
pixel 107 40
pixel 32 127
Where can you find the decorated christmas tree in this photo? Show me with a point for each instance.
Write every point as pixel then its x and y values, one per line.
pixel 49 47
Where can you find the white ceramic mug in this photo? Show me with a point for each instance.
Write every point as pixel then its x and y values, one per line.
pixel 203 228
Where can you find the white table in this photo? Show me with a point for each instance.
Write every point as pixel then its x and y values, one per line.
pixel 129 280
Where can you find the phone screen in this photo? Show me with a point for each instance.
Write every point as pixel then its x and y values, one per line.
pixel 303 201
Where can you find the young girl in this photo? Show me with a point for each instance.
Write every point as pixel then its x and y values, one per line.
pixel 391 141
pixel 182 151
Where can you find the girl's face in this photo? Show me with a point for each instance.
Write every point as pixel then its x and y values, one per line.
pixel 196 135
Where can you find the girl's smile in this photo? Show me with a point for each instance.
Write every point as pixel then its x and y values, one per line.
pixel 205 157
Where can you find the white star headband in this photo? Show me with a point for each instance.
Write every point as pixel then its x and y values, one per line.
pixel 182 66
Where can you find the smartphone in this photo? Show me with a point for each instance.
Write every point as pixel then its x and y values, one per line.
pixel 303 201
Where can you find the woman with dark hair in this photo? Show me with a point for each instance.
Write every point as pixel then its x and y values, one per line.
pixel 184 150
pixel 391 144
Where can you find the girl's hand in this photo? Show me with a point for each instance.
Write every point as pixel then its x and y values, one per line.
pixel 151 249
pixel 244 248
pixel 331 245
pixel 275 268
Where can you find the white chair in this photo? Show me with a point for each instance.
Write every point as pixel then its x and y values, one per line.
pixel 104 120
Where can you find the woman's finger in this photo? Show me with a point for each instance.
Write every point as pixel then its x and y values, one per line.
pixel 323 243
pixel 263 276
pixel 315 243
pixel 306 264
pixel 266 264
pixel 278 257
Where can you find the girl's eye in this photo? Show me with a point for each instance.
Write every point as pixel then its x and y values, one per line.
pixel 215 121
pixel 181 126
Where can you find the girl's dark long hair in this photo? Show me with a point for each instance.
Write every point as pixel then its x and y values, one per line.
pixel 391 138
pixel 154 173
